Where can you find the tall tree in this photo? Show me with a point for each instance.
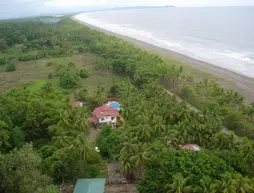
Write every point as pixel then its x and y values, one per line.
pixel 227 184
pixel 179 185
pixel 206 185
pixel 140 156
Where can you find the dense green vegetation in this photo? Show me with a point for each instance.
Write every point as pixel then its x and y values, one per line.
pixel 44 141
pixel 157 125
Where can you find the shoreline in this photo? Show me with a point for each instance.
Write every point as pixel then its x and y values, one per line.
pixel 229 79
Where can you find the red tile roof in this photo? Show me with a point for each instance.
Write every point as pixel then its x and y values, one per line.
pixel 104 111
pixel 194 147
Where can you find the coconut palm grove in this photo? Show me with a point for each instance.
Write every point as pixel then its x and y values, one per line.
pixel 46 142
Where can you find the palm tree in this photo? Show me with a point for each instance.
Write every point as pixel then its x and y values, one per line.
pixel 144 132
pixel 158 125
pixel 128 68
pixel 100 95
pixel 170 137
pixel 140 156
pixel 183 129
pixel 126 164
pixel 81 122
pixel 249 111
pixel 82 146
pixel 201 133
pixel 4 136
pixel 247 149
pixel 99 63
pixel 62 140
pixel 129 144
pixel 64 120
pixel 227 184
pixel 179 185
pixel 243 184
pixel 107 66
pixel 225 141
pixel 206 185
pixel 127 109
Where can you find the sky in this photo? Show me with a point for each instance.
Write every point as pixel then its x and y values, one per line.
pixel 22 8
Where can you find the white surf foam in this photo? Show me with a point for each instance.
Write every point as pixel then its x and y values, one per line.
pixel 232 60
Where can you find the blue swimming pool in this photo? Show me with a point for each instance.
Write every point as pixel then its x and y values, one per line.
pixel 115 105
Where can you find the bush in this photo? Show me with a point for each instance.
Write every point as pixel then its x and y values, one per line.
pixel 83 73
pixel 50 64
pixel 10 67
pixel 109 141
pixel 3 45
pixel 235 121
pixel 69 79
pixel 81 94
pixel 2 60
pixel 82 49
pixel 59 67
pixel 71 65
pixel 50 75
pixel 28 57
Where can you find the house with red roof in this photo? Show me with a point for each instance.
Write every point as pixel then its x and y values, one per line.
pixel 193 147
pixel 105 115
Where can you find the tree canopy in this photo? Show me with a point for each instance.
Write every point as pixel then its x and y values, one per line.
pixel 44 140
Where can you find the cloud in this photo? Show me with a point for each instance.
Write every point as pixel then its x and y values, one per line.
pixel 73 3
pixel 20 8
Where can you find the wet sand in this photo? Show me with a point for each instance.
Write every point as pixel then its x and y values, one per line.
pixel 231 80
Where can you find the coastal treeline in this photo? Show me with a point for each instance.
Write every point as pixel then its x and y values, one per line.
pixel 44 140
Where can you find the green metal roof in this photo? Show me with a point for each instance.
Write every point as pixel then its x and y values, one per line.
pixel 95 185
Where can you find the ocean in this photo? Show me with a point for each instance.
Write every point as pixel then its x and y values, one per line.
pixel 223 36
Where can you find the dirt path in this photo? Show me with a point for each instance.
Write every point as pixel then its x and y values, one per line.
pixel 117 188
pixel 93 133
pixel 117 181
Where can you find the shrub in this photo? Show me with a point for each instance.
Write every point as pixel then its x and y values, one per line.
pixel 69 79
pixel 2 60
pixel 28 57
pixel 83 73
pixel 81 94
pixel 50 64
pixel 59 67
pixel 82 49
pixel 71 65
pixel 10 67
pixel 50 75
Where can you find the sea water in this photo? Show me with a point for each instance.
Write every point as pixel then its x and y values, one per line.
pixel 223 36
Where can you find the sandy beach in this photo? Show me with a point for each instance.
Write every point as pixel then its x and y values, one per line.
pixel 231 80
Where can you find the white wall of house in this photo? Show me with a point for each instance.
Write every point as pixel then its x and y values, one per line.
pixel 107 119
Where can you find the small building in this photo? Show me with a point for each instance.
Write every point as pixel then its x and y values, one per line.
pixel 105 115
pixel 193 147
pixel 95 185
pixel 77 104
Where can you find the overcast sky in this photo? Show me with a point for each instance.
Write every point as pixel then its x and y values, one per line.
pixel 20 8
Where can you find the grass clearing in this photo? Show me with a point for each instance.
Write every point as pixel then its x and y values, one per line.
pixel 189 70
pixel 35 85
pixel 34 74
